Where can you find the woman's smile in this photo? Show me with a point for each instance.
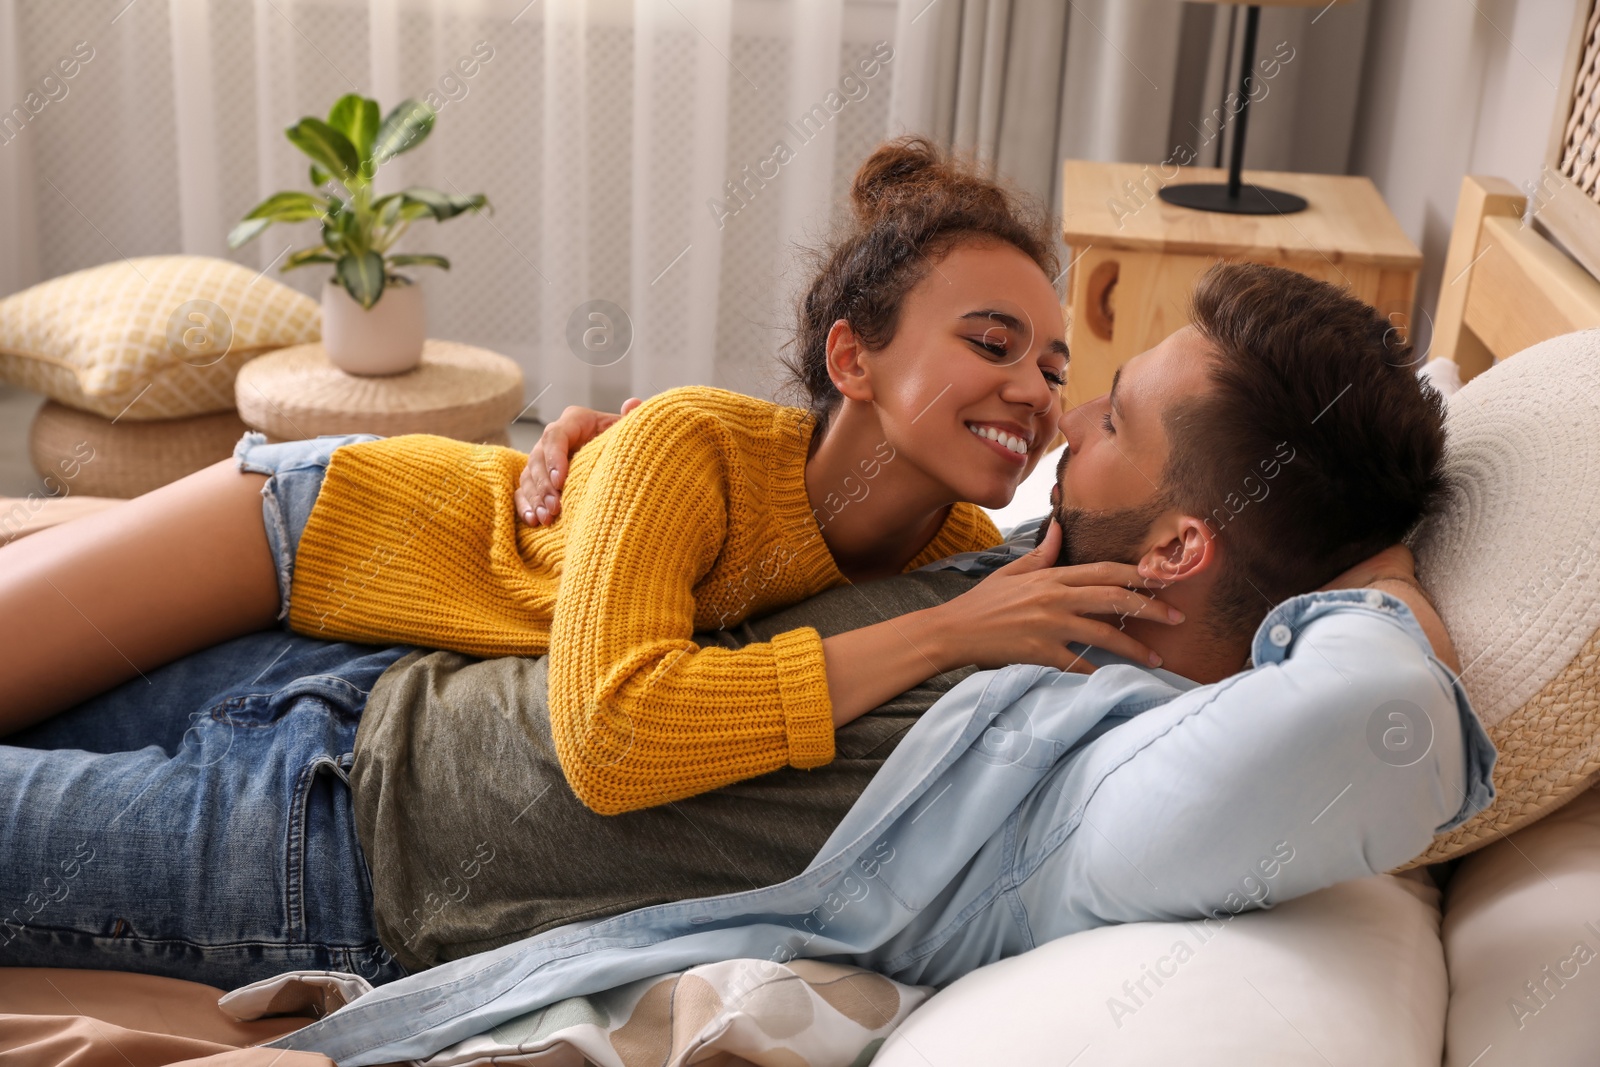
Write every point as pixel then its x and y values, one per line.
pixel 1007 443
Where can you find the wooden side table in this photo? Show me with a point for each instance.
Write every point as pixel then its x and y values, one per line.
pixel 1135 257
pixel 457 391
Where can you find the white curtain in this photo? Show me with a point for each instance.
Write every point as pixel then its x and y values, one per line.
pixel 605 133
pixel 664 156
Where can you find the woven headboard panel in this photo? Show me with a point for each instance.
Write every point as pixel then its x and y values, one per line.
pixel 1578 144
pixel 1567 201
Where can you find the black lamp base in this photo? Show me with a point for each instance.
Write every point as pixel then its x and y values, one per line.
pixel 1252 199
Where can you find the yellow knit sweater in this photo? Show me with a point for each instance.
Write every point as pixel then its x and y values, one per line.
pixel 689 514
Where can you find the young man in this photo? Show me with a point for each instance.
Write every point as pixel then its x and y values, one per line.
pixel 1028 804
pixel 1253 455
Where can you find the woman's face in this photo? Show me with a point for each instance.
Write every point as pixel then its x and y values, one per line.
pixel 968 391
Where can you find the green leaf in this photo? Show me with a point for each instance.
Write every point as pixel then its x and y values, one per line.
pixel 307 255
pixel 444 205
pixel 347 228
pixel 332 236
pixel 362 277
pixel 333 224
pixel 319 177
pixel 327 147
pixel 407 259
pixel 246 231
pixel 289 207
pixel 356 117
pixel 357 238
pixel 387 208
pixel 407 126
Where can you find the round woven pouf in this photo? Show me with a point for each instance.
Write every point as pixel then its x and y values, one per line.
pixel 457 391
pixel 78 452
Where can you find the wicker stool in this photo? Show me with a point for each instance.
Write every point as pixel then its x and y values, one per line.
pixel 80 452
pixel 457 391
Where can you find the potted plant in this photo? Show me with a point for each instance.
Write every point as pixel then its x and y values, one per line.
pixel 373 318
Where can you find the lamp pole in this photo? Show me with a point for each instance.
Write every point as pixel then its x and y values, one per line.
pixel 1241 121
pixel 1237 198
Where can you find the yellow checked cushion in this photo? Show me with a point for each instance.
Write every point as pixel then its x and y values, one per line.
pixel 159 337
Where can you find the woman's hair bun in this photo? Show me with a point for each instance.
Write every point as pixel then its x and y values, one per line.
pixel 913 172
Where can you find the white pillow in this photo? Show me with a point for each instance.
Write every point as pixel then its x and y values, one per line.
pixel 1443 374
pixel 1353 974
pixel 1516 907
pixel 1512 562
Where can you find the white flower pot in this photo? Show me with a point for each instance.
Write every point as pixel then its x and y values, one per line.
pixel 383 339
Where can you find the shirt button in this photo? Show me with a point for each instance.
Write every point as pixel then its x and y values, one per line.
pixel 1374 599
pixel 1280 635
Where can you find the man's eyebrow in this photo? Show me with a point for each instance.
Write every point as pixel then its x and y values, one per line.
pixel 1114 405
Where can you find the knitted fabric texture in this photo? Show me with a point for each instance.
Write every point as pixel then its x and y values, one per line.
pixel 690 514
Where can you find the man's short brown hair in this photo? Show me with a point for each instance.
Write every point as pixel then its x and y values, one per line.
pixel 1317 445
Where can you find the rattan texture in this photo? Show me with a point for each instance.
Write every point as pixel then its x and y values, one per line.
pixel 1581 138
pixel 1510 562
pixel 78 452
pixel 457 391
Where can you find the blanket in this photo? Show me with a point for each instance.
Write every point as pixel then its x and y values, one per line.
pixel 801 1014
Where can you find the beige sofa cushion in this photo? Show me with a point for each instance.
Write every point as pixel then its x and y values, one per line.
pixel 1522 934
pixel 1350 974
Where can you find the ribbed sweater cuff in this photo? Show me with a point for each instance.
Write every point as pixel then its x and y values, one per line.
pixel 807 709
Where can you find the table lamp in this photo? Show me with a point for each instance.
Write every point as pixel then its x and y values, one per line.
pixel 1235 197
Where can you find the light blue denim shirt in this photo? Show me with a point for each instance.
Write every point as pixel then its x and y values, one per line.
pixel 1029 804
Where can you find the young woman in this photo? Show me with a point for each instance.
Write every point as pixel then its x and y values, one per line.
pixel 930 344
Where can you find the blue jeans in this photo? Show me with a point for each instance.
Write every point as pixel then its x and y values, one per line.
pixel 197 822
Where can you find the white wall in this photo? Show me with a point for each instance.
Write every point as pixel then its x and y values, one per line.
pixel 1455 88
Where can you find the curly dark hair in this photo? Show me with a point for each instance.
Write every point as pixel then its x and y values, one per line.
pixel 913 203
pixel 1314 404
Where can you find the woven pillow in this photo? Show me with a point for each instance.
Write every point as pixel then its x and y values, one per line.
pixel 1510 562
pixel 140 339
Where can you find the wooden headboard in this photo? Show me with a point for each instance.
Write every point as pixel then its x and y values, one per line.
pixel 1506 286
pixel 1518 273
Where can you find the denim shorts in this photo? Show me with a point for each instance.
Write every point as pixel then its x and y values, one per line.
pixel 295 470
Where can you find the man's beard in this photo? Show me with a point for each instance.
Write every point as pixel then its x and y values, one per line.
pixel 1102 536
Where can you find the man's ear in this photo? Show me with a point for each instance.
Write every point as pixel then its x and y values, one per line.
pixel 847 367
pixel 1188 551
